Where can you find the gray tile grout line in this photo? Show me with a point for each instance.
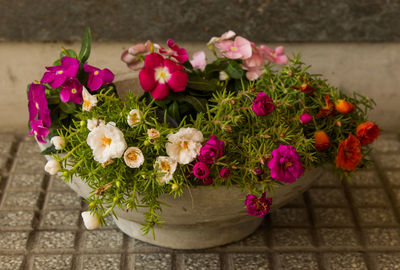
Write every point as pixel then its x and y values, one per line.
pixel 76 258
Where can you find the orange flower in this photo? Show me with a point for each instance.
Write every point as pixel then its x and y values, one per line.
pixel 327 110
pixel 344 106
pixel 349 153
pixel 305 88
pixel 321 140
pixel 367 132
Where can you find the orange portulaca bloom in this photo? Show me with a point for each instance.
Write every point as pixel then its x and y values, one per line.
pixel 367 132
pixel 344 107
pixel 321 140
pixel 349 153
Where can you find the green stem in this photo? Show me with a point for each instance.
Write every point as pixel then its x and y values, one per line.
pixel 70 152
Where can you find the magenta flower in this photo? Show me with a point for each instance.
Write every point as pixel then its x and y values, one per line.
pixel 39 130
pixel 199 60
pixel 201 170
pixel 224 173
pixel 275 56
pixel 57 75
pixel 71 91
pixel 37 104
pixel 305 118
pixel 211 150
pixel 258 206
pixel 98 77
pixel 208 180
pixel 240 48
pixel 285 165
pixel 262 105
pixel 180 54
pixel 159 75
pixel 131 55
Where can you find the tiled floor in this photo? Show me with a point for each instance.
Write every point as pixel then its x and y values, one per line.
pixel 332 226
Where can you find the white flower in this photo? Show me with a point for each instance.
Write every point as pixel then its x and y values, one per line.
pixel 52 166
pixel 133 157
pixel 107 142
pixel 134 117
pixel 153 133
pixel 94 122
pixel 91 222
pixel 184 146
pixel 165 165
pixel 89 101
pixel 223 76
pixel 58 142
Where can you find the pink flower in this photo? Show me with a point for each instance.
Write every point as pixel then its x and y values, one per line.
pixel 212 150
pixel 255 64
pixel 38 104
pixel 227 35
pixel 199 60
pixel 98 77
pixel 262 105
pixel 305 118
pixel 57 75
pixel 71 91
pixel 258 206
pixel 131 55
pixel 285 164
pixel 224 173
pixel 159 75
pixel 201 170
pixel 180 54
pixel 208 180
pixel 39 130
pixel 240 48
pixel 275 56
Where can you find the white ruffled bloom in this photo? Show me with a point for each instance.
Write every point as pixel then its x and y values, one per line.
pixel 134 117
pixel 58 142
pixel 133 157
pixel 153 133
pixel 94 122
pixel 165 165
pixel 89 101
pixel 184 146
pixel 91 222
pixel 107 142
pixel 52 166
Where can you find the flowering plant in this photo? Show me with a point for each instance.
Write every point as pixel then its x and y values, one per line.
pixel 235 121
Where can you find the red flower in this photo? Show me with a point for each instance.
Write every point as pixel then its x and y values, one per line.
pixel 327 110
pixel 367 132
pixel 349 153
pixel 180 54
pixel 321 140
pixel 305 88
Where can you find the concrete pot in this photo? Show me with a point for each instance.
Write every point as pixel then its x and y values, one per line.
pixel 204 216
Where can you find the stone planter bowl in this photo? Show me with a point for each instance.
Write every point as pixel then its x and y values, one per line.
pixel 204 217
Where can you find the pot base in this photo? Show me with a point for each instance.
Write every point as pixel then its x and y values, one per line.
pixel 191 236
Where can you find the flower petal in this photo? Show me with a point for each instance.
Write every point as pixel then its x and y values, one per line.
pixel 65 94
pixel 178 81
pixel 108 76
pixel 153 60
pixel 161 91
pixel 147 79
pixel 94 82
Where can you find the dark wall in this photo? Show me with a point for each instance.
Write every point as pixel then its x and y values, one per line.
pixel 198 20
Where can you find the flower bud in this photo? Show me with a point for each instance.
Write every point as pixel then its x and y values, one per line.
pixel 90 221
pixel 258 171
pixel 118 184
pixel 52 167
pixel 321 140
pixel 175 187
pixel 82 123
pixel 343 106
pixel 92 205
pixel 116 199
pixel 208 180
pixel 305 118
pixel 223 76
pixel 58 142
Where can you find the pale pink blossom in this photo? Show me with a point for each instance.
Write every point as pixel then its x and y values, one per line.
pixel 131 55
pixel 255 64
pixel 199 60
pixel 275 56
pixel 240 48
pixel 227 35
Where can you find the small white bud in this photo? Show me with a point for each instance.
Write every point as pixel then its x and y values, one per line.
pixel 58 142
pixel 91 222
pixel 52 167
pixel 223 76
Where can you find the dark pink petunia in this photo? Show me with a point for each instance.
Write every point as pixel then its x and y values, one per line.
pixel 37 104
pixel 159 75
pixel 39 130
pixel 258 206
pixel 71 91
pixel 98 77
pixel 57 75
pixel 180 54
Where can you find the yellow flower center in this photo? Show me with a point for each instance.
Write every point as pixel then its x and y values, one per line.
pixel 106 141
pixel 60 72
pixel 288 164
pixel 73 91
pixel 86 104
pixel 96 72
pixel 233 48
pixel 162 74
pixel 37 105
pixel 185 145
pixel 165 166
pixel 134 117
pixel 132 156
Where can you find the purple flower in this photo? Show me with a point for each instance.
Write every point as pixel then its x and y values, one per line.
pixel 208 180
pixel 39 130
pixel 201 170
pixel 98 77
pixel 262 105
pixel 285 164
pixel 305 118
pixel 212 150
pixel 258 206
pixel 38 104
pixel 71 91
pixel 224 173
pixel 57 75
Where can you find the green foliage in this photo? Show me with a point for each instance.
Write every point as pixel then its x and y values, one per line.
pixel 86 46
